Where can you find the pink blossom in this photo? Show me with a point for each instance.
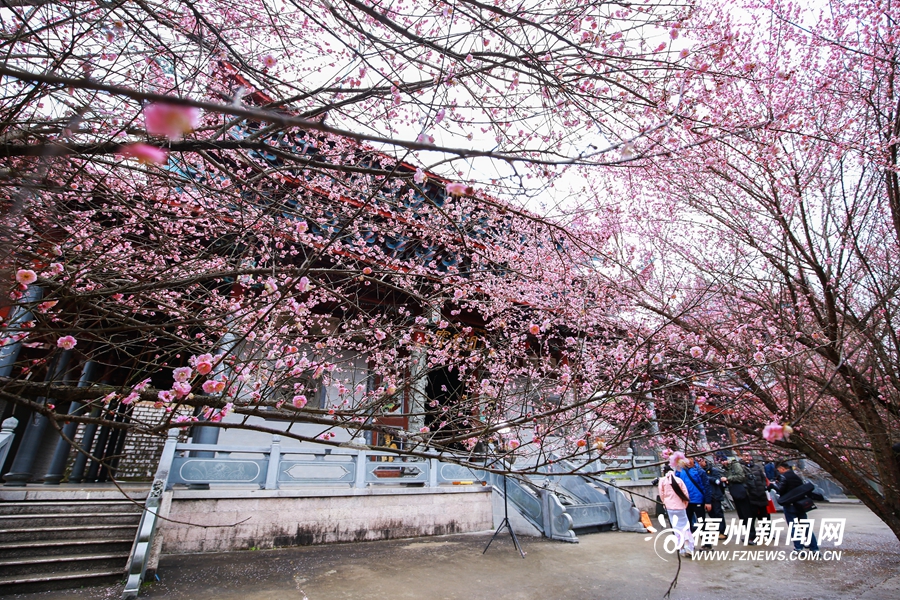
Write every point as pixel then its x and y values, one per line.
pixel 424 430
pixel 165 396
pixel 66 342
pixel 45 306
pixel 759 357
pixel 303 285
pixel 773 432
pixel 212 386
pixel 170 120
pixel 26 276
pixel 379 335
pixel 419 177
pixel 696 351
pixel 54 269
pixel 367 271
pixel 204 367
pixel 182 373
pixel 269 61
pixel 677 460
pixel 439 116
pixel 458 189
pixel 424 138
pixel 299 401
pixel 145 153
pixel 534 329
pixel 202 363
pixel 130 398
pixel 657 359
pixel 513 444
pixel 181 388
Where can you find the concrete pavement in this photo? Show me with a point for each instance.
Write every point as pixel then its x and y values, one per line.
pixel 620 566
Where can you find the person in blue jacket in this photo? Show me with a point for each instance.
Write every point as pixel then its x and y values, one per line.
pixel 700 496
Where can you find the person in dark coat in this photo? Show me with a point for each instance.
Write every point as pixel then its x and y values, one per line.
pixel 756 488
pixel 788 481
pixel 716 492
pixel 736 479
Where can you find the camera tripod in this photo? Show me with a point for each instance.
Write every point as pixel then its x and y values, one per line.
pixel 505 523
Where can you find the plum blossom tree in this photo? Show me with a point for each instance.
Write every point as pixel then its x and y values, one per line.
pixel 225 204
pixel 776 249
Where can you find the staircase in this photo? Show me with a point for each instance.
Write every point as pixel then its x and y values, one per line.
pixel 67 542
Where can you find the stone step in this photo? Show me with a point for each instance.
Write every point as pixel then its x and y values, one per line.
pixel 56 581
pixel 24 534
pixel 69 506
pixel 43 548
pixel 64 563
pixel 68 519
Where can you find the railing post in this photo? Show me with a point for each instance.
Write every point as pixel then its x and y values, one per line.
pixel 167 456
pixel 633 472
pixel 7 431
pixel 360 478
pixel 433 466
pixel 274 463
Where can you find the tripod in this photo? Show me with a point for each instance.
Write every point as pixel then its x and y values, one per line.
pixel 505 523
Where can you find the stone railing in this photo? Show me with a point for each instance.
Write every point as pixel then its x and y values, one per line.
pixel 7 433
pixel 273 467
pixel 621 468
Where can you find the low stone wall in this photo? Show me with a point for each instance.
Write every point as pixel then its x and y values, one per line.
pixel 228 520
pixel 641 493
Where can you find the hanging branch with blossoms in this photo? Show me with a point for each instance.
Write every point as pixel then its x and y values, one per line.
pixel 774 251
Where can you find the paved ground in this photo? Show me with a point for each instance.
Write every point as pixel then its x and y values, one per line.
pixel 621 566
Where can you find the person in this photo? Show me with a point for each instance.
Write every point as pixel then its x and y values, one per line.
pixel 716 492
pixel 756 489
pixel 736 478
pixel 788 481
pixel 694 479
pixel 674 496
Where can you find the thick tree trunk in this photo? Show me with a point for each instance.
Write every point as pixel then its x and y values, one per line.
pixel 885 505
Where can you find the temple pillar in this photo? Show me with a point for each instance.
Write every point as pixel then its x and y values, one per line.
pixel 33 435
